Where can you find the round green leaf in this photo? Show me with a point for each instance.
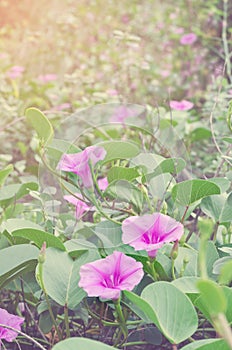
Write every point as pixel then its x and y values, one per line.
pixel 174 311
pixel 207 344
pixel 40 123
pixel 82 344
pixel 61 276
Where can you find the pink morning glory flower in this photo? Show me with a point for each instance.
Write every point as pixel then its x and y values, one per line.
pixel 46 78
pixel 150 232
pixel 10 320
pixel 106 278
pixel 81 207
pixel 181 105
pixel 78 163
pixel 15 72
pixel 188 39
pixel 103 183
pixel 121 114
pixel 62 107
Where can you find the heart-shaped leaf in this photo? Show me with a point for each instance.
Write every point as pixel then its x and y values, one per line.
pixel 190 191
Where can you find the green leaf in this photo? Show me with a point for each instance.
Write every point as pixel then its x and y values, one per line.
pixel 121 173
pixel 221 182
pixel 125 191
pixel 39 237
pixel 218 207
pixel 141 307
pixel 169 309
pixel 190 191
pixel 227 139
pixel 187 284
pixel 5 172
pixel 10 193
pixel 77 247
pixel 61 276
pixel 82 344
pixel 17 224
pixel 149 161
pixel 16 260
pixel 212 296
pixel 171 165
pixel 109 233
pixel 41 124
pixel 119 150
pixel 175 313
pixel 200 134
pixel 207 344
pixel 57 148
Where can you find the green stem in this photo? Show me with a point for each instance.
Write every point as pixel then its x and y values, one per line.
pixel 173 269
pixel 153 272
pixel 185 212
pixel 66 321
pixel 121 318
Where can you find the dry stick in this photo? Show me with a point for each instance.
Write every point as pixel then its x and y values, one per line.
pixel 12 123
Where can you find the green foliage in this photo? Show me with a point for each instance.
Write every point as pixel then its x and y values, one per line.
pixel 163 303
pixel 83 343
pixel 41 124
pixel 190 191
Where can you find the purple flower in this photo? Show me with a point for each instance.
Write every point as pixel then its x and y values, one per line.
pixel 106 278
pixel 81 207
pixel 150 232
pixel 103 183
pixel 188 39
pixel 11 321
pixel 181 105
pixel 78 163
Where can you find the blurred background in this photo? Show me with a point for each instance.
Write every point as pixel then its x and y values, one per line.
pixel 62 56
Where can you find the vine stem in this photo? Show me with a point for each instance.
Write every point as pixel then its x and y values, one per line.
pixel 121 318
pixel 23 334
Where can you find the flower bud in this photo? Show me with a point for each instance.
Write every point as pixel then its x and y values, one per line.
pixel 42 254
pixel 174 251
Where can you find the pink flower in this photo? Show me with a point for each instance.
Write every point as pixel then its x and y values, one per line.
pixel 106 278
pixel 150 232
pixel 181 105
pixel 46 78
pixel 61 107
pixel 112 92
pixel 78 163
pixel 11 321
pixel 188 39
pixel 121 114
pixel 81 207
pixel 15 72
pixel 103 183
